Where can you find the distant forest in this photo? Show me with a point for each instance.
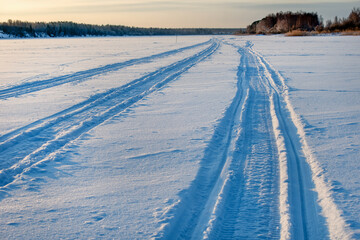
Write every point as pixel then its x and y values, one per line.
pixel 16 28
pixel 352 22
pixel 284 22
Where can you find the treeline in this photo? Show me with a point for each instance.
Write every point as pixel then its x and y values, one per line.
pixel 351 23
pixel 18 28
pixel 285 22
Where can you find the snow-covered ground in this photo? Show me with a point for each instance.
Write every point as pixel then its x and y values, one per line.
pixel 324 79
pixel 224 137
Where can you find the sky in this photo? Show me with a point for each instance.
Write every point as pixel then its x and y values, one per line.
pixel 166 13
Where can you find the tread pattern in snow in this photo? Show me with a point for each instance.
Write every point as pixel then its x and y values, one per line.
pixel 236 193
pixel 25 148
pixel 29 87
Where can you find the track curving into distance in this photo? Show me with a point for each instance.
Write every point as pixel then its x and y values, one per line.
pixel 34 86
pixel 25 148
pixel 254 181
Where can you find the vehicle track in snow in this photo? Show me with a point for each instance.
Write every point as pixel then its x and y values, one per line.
pixel 25 148
pixel 246 206
pixel 29 87
pixel 301 219
pixel 312 211
pixel 254 181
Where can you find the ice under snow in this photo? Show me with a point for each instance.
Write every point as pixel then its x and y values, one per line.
pixel 188 137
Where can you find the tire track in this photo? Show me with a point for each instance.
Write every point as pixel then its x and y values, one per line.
pixel 248 205
pixel 34 86
pixel 191 215
pixel 254 181
pixel 24 149
pixel 305 220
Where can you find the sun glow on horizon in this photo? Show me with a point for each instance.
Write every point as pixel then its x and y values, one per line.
pixel 160 13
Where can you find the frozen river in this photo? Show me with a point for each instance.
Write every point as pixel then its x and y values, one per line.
pixel 194 137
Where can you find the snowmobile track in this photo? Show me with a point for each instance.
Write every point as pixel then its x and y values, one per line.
pixel 29 87
pixel 252 184
pixel 25 148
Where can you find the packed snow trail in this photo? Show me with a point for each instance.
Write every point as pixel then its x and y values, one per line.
pixel 23 149
pixel 254 181
pixel 312 207
pixel 246 206
pixel 29 87
pixel 212 205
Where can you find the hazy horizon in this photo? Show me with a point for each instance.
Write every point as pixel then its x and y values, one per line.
pixel 166 14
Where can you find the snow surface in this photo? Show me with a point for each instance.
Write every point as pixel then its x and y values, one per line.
pixel 4 35
pixel 176 138
pixel 324 80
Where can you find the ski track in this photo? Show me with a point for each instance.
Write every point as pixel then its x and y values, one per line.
pixel 29 87
pixel 255 180
pixel 31 146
